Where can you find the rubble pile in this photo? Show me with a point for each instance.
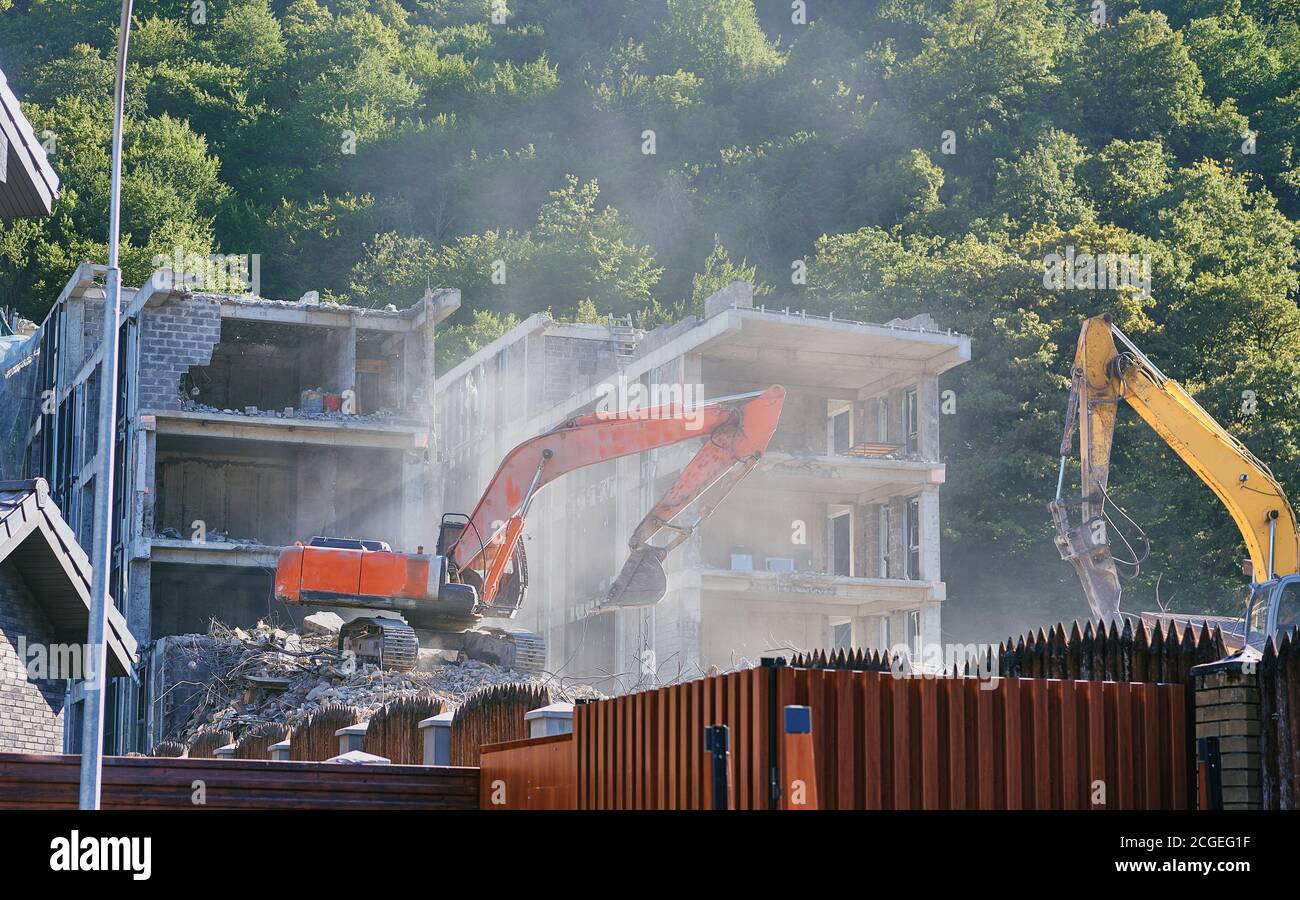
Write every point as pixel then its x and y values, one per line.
pixel 379 416
pixel 270 675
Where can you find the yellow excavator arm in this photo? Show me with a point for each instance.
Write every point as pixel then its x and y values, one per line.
pixel 1103 375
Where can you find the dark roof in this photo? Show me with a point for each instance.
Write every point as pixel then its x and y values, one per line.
pixel 28 185
pixel 57 571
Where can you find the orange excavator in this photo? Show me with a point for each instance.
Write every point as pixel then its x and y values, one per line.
pixel 479 570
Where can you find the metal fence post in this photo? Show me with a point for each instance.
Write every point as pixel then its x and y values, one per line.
pixel 800 757
pixel 717 743
pixel 773 731
pixel 1209 767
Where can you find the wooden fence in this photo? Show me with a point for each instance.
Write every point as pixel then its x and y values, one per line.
pixel 394 731
pixel 314 740
pixel 30 781
pixel 205 744
pixel 255 743
pixel 1137 652
pixel 491 715
pixel 886 742
pixel 1279 711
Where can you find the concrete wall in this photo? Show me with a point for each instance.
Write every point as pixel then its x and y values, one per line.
pixel 31 713
pixel 734 633
pixel 184 597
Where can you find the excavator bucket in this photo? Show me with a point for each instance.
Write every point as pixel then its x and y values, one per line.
pixel 642 581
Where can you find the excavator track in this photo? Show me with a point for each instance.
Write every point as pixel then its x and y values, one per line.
pixel 523 651
pixel 530 653
pixel 387 643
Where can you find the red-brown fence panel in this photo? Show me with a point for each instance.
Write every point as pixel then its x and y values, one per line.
pixel 646 750
pixel 887 742
pixel 536 773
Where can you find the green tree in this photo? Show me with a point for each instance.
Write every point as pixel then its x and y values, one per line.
pixel 719 40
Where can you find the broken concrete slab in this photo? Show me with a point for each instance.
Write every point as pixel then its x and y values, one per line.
pixel 359 758
pixel 322 623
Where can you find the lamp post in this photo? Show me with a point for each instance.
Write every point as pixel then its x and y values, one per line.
pixel 92 732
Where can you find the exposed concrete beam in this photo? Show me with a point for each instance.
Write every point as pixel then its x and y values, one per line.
pixel 292 431
pixel 860 472
pixel 322 316
pixel 444 301
pixel 213 553
pixel 811 358
pixel 798 590
pixel 886 383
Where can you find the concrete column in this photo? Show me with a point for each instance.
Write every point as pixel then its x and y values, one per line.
pixel 927 391
pixel 351 738
pixel 437 739
pixel 280 752
pixel 556 718
pixel 881 634
pixel 931 630
pixel 419 517
pixel 343 343
pixel 928 509
pixel 139 608
pixel 897 537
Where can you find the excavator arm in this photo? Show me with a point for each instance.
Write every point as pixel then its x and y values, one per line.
pixel 738 430
pixel 1102 377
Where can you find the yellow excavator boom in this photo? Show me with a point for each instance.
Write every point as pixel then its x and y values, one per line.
pixel 1103 375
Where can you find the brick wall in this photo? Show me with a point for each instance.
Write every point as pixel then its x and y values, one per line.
pixel 31 713
pixel 574 364
pixel 173 337
pixel 1227 708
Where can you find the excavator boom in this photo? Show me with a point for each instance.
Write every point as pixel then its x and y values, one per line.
pixel 480 570
pixel 738 430
pixel 1103 376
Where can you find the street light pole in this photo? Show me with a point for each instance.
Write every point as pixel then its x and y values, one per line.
pixel 96 683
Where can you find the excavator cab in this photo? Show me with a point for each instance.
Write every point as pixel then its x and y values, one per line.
pixel 1273 611
pixel 509 595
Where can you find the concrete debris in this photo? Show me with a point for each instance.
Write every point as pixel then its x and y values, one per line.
pixel 323 415
pixel 359 758
pixel 209 537
pixel 268 675
pixel 322 623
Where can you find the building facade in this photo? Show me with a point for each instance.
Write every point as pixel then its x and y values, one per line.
pixel 219 461
pixel 44 615
pixel 833 541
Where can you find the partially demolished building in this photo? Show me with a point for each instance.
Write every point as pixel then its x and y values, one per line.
pixel 246 424
pixel 229 446
pixel 833 541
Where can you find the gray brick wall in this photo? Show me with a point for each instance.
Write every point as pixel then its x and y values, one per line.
pixel 574 364
pixel 173 337
pixel 31 713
